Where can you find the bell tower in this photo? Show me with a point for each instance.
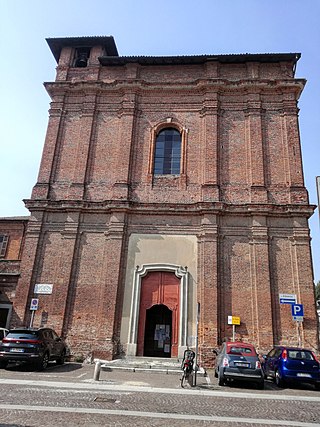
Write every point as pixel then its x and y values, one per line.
pixel 80 52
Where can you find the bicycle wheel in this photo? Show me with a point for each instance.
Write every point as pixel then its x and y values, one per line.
pixel 184 378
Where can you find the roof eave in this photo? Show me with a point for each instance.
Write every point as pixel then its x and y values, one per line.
pixel 58 43
pixel 199 59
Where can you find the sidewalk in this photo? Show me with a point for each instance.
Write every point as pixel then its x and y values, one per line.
pixel 158 370
pixel 77 373
pixel 156 378
pixel 77 376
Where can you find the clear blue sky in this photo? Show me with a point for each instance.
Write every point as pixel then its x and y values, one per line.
pixel 144 27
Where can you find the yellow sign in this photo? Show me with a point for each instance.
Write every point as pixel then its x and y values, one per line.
pixel 233 320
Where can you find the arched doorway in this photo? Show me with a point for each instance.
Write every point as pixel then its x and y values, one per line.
pixel 158 329
pixel 157 333
pixel 144 297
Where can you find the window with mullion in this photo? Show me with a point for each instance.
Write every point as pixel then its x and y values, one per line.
pixel 3 244
pixel 167 152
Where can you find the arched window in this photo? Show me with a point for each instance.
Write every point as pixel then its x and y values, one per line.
pixel 167 155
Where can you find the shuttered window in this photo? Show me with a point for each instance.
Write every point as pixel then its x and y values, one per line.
pixel 3 245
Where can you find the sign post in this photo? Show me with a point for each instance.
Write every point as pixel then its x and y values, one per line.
pixel 297 314
pixel 233 320
pixel 33 307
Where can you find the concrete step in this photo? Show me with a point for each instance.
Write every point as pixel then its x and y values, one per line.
pixel 150 364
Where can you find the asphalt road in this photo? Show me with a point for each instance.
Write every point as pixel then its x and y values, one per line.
pixel 68 396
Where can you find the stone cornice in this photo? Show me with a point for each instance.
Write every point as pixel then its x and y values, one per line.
pixel 137 85
pixel 200 208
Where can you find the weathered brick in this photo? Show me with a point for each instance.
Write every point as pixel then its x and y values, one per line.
pixel 242 196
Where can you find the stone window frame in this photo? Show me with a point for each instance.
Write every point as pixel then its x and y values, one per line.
pixel 168 123
pixel 139 273
pixel 4 240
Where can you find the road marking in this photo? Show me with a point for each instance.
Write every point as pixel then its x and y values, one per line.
pixel 101 385
pixel 81 375
pixel 104 385
pixel 124 413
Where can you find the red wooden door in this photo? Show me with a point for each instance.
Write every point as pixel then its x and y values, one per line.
pixel 159 288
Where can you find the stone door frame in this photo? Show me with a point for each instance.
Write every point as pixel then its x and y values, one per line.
pixel 139 273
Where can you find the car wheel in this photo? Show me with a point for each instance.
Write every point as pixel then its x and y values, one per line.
pixel 215 373
pixel 221 380
pixel 60 360
pixel 317 386
pixel 43 363
pixel 3 364
pixel 279 381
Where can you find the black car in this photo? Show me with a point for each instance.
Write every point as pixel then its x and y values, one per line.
pixel 237 361
pixel 37 346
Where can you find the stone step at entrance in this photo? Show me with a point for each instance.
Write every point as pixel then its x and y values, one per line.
pixel 150 364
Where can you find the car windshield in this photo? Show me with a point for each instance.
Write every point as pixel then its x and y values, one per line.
pixel 25 335
pixel 241 350
pixel 300 354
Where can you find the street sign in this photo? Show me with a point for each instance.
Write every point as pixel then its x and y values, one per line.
pixel 298 318
pixel 34 304
pixel 297 310
pixel 233 320
pixel 43 288
pixel 287 298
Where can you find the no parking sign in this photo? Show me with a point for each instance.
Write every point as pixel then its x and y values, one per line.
pixel 34 304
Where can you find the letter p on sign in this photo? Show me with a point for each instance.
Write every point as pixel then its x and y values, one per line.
pixel 297 309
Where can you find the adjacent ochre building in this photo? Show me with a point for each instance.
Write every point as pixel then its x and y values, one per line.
pixel 168 183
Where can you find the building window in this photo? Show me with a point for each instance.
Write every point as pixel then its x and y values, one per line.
pixel 3 245
pixel 167 156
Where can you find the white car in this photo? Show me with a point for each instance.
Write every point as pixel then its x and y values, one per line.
pixel 3 333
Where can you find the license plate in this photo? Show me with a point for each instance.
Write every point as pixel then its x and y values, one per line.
pixel 242 365
pixel 16 350
pixel 301 374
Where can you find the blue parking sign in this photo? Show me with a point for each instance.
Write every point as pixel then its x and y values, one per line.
pixel 297 310
pixel 34 304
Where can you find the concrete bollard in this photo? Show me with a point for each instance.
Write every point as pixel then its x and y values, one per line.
pixel 97 370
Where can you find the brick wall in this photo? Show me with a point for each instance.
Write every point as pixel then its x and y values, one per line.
pixel 242 195
pixel 15 229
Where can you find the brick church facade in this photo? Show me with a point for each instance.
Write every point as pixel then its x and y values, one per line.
pixel 168 184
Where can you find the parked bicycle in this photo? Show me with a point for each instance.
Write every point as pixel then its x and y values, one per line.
pixel 187 366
